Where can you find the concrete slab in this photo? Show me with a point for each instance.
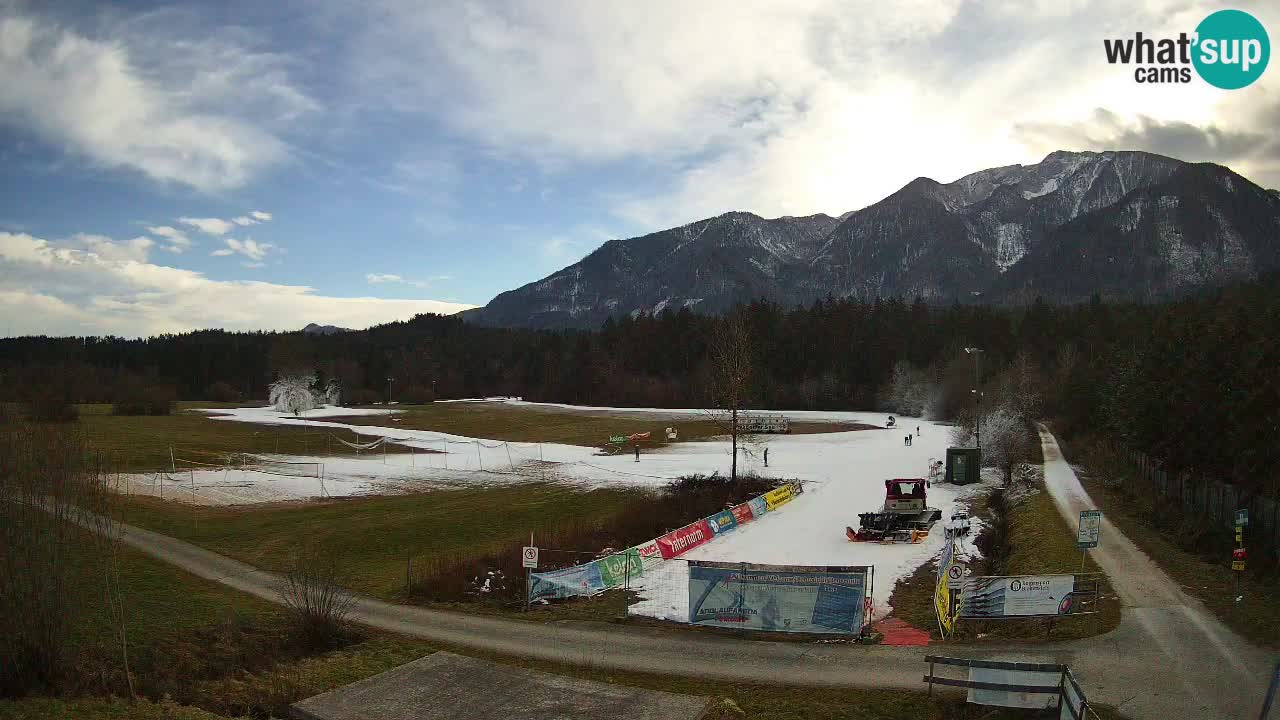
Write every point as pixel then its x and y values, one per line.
pixel 444 686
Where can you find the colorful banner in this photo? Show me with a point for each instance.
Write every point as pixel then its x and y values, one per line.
pixel 778 598
pixel 570 582
pixel 1023 596
pixel 678 542
pixel 779 496
pixel 944 598
pixel 722 522
pixel 614 570
pixel 618 570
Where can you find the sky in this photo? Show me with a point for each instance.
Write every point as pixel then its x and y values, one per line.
pixel 263 165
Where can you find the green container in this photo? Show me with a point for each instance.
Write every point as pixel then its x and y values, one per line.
pixel 964 465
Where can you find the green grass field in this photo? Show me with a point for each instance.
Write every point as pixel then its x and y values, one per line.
pixel 529 424
pixel 374 536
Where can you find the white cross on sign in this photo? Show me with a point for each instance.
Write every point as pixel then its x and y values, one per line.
pixel 530 557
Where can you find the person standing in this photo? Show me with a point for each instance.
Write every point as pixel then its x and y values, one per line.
pixel 637 447
pixel 766 457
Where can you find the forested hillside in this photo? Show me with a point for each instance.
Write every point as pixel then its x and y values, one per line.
pixel 1193 382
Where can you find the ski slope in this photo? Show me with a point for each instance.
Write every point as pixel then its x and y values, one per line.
pixel 843 474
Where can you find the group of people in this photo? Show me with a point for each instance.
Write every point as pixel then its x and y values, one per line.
pixel 910 437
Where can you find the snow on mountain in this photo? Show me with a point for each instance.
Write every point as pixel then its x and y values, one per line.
pixel 987 234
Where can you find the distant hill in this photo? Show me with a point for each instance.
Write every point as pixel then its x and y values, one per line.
pixel 1123 225
pixel 314 329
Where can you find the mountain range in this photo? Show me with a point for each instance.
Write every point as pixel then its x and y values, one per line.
pixel 1120 225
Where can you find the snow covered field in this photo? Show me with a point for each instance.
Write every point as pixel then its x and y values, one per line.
pixel 843 475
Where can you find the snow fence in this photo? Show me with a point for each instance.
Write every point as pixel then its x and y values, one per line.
pixel 620 569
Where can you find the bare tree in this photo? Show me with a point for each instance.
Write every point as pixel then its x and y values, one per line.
pixel 732 371
pixel 313 591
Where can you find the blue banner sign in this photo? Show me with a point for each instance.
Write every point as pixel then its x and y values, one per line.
pixel 778 598
pixel 570 582
pixel 722 522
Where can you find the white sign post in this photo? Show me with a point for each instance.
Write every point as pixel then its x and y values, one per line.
pixel 529 559
pixel 1089 533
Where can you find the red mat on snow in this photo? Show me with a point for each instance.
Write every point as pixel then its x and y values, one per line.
pixel 897 632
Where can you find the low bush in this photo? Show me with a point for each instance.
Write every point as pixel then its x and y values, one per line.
pixel 222 391
pixel 462 576
pixel 416 395
pixel 137 399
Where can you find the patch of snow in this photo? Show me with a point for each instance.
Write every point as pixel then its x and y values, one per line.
pixel 1011 245
pixel 269 415
pixel 1049 186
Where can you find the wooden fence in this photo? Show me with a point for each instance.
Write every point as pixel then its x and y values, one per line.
pixel 1204 502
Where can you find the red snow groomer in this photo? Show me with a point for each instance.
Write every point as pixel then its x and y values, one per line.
pixel 905 516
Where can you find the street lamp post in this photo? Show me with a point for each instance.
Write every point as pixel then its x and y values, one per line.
pixel 389 390
pixel 977 393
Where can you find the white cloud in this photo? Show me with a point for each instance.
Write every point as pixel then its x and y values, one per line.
pixel 177 241
pixel 388 278
pixel 104 247
pixel 209 226
pixel 244 220
pixel 261 216
pixel 199 110
pixel 249 248
pixel 66 290
pixel 778 108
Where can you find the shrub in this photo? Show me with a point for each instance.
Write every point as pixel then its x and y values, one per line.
pixel 136 399
pixel 48 405
pixel 313 592
pixel 363 396
pixel 416 395
pixel 222 391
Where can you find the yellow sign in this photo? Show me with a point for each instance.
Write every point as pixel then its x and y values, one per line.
pixel 943 596
pixel 1237 565
pixel 1239 535
pixel 779 496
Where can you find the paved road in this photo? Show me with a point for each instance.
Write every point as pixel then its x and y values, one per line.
pixel 1167 659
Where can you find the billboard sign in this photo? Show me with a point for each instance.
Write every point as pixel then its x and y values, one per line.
pixel 570 582
pixel 1021 596
pixel 678 542
pixel 742 513
pixel 778 598
pixel 1090 529
pixel 616 570
pixel 779 496
pixel 722 522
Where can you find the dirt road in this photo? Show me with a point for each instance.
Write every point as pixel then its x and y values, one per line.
pixel 1205 669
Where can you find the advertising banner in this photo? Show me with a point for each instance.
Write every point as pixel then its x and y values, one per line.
pixel 944 595
pixel 779 496
pixel 742 513
pixel 616 570
pixel 778 598
pixel 1013 698
pixel 1024 596
pixel 678 542
pixel 570 582
pixel 758 507
pixel 722 522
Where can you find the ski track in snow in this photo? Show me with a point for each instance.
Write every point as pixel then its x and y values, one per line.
pixel 843 475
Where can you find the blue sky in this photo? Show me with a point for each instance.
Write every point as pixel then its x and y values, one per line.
pixel 404 157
